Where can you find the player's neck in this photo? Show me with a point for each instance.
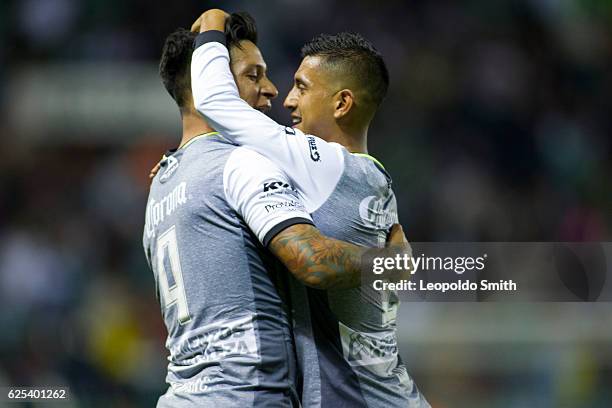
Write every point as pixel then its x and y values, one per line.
pixel 193 125
pixel 354 141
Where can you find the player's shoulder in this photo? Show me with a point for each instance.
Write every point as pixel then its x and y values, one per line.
pixel 248 162
pixel 207 154
pixel 213 144
pixel 247 171
pixel 362 164
pixel 365 158
pixel 198 163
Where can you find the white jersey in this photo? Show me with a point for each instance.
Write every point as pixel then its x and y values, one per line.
pixel 262 194
pixel 345 339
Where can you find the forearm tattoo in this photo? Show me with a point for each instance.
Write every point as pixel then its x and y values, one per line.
pixel 316 260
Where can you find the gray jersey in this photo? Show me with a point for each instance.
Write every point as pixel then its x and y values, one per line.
pixel 345 339
pixel 229 337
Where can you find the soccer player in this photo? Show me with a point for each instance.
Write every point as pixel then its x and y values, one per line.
pixel 212 209
pixel 346 338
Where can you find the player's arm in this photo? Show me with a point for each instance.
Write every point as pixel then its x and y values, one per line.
pixel 310 162
pixel 316 260
pixel 272 208
pixel 326 263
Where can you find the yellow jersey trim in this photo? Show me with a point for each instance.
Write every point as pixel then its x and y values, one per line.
pixel 196 138
pixel 367 156
pixel 191 141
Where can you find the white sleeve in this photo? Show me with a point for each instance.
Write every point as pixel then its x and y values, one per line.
pixel 312 164
pixel 262 194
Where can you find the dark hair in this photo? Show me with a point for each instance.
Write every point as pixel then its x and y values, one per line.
pixel 238 27
pixel 175 62
pixel 354 56
pixel 174 65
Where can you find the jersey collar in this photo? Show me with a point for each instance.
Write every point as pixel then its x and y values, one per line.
pixel 367 156
pixel 196 138
pixel 172 151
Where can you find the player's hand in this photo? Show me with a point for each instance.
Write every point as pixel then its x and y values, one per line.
pixel 396 236
pixel 154 171
pixel 213 19
pixel 398 245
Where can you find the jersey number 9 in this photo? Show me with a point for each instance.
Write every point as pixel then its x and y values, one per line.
pixel 175 294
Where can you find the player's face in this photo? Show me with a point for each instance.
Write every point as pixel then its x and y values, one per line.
pixel 311 98
pixel 249 70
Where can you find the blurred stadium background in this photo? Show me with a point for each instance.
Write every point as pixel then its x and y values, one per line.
pixel 497 127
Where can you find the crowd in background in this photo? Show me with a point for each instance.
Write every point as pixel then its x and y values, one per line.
pixel 496 128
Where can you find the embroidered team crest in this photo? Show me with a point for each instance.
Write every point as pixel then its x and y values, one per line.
pixel 172 164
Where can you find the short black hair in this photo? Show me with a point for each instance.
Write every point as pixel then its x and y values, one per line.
pixel 240 26
pixel 175 62
pixel 174 66
pixel 355 56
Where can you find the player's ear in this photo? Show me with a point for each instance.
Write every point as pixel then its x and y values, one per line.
pixel 343 102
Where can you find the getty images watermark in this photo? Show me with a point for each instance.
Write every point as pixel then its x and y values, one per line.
pixel 458 265
pixel 494 271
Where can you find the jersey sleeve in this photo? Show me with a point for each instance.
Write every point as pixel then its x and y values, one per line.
pixel 313 165
pixel 262 194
